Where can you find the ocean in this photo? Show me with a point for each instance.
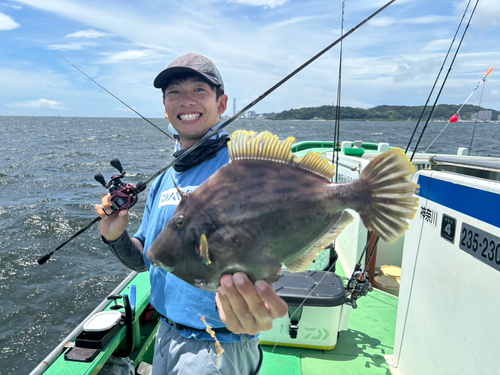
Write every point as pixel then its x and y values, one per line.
pixel 47 193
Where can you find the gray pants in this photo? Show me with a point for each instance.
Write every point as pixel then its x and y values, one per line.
pixel 175 354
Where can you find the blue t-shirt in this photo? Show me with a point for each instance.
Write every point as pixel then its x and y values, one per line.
pixel 171 296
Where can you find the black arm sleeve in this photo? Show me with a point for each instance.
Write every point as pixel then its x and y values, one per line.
pixel 127 252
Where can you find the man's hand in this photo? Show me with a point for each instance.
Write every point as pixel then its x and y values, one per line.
pixel 248 308
pixel 112 224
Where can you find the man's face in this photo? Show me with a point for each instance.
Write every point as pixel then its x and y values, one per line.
pixel 192 108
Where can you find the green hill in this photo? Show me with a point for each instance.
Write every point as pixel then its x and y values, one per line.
pixel 442 112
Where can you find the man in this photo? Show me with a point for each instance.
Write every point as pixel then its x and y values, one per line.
pixel 194 100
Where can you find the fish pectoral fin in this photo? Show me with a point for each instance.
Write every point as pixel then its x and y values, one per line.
pixel 304 261
pixel 204 250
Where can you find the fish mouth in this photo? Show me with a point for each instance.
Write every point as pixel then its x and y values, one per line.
pixel 205 285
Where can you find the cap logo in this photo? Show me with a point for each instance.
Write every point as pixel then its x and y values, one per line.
pixel 204 67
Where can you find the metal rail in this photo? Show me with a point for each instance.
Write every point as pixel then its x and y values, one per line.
pixel 483 163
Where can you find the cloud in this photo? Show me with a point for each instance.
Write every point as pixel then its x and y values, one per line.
pixel 260 3
pixel 7 23
pixel 382 21
pixel 40 103
pixel 487 13
pixel 437 45
pixel 13 6
pixel 71 46
pixel 89 34
pixel 388 21
pixel 129 55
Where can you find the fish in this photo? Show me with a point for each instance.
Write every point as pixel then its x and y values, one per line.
pixel 267 208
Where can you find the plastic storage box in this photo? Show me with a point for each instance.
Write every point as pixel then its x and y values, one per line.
pixel 315 303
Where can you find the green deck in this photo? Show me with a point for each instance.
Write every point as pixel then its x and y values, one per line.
pixel 360 350
pixel 148 331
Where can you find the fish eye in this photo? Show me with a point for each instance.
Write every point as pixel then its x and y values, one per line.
pixel 180 221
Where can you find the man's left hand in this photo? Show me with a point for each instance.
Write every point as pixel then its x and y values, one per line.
pixel 246 307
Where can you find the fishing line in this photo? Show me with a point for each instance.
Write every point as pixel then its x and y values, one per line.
pixel 114 96
pixel 198 314
pixel 265 94
pixel 457 113
pixel 437 78
pixel 314 288
pixel 477 117
pixel 444 81
pixel 142 186
pixel 225 124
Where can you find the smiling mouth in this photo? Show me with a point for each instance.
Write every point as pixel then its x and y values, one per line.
pixel 189 116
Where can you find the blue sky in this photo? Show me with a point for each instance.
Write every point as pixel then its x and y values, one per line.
pixel 123 45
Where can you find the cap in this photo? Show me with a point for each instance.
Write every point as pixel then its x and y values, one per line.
pixel 190 63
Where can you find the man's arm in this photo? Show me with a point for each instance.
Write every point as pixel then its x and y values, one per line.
pixel 128 251
pixel 246 307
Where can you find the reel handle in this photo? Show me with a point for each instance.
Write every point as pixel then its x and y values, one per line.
pixel 100 178
pixel 116 163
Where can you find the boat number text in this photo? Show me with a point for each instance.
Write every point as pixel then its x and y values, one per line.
pixel 429 215
pixel 448 225
pixel 480 244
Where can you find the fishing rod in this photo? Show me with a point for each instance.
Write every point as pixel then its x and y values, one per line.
pixel 117 98
pixel 444 81
pixel 124 196
pixel 455 117
pixel 336 137
pixel 437 78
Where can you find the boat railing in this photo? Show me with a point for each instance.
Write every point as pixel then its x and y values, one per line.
pixel 49 359
pixel 483 167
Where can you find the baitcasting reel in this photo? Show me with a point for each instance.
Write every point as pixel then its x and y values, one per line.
pixel 123 196
pixel 358 286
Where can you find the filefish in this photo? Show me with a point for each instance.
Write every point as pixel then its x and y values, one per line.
pixel 268 207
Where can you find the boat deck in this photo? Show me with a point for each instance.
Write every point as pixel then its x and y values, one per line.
pixel 360 350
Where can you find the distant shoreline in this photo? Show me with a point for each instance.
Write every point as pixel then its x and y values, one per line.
pixel 162 120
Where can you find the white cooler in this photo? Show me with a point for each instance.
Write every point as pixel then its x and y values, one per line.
pixel 315 323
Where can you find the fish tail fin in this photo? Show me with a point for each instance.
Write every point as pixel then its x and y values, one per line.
pixel 393 200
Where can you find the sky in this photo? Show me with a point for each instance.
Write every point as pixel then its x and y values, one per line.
pixel 393 59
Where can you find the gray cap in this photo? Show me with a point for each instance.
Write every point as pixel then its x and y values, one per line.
pixel 190 63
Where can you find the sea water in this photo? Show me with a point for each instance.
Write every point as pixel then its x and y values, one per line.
pixel 47 193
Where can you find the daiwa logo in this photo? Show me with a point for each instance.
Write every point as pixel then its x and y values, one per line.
pixel 171 197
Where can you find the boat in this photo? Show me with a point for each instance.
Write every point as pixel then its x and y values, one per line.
pixel 437 317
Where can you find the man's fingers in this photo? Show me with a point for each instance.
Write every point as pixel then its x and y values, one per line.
pixel 253 301
pixel 99 210
pixel 106 204
pixel 226 312
pixel 246 307
pixel 277 307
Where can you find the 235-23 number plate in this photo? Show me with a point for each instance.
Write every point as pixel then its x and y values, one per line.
pixel 481 245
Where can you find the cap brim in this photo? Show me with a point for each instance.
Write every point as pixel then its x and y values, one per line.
pixel 162 78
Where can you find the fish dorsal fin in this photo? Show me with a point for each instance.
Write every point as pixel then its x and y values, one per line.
pixel 265 146
pixel 181 193
pixel 306 258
